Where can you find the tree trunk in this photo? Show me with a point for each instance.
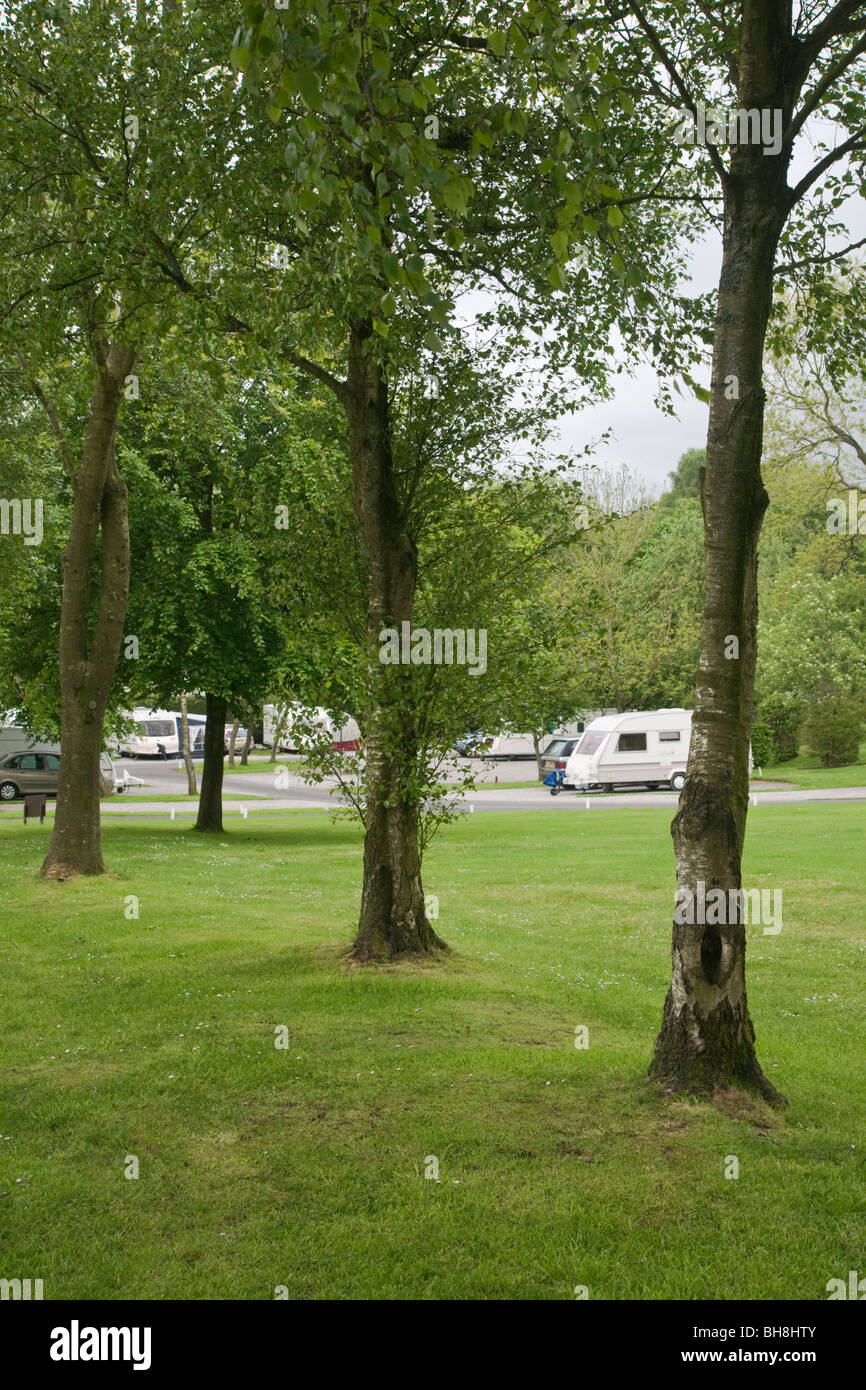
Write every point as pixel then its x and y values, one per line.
pixel 393 922
pixel 233 739
pixel 185 749
pixel 210 804
pixel 707 1038
pixel 537 746
pixel 88 659
pixel 279 730
pixel 248 741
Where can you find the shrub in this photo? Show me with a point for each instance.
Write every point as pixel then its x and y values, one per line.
pixel 763 748
pixel 783 717
pixel 834 728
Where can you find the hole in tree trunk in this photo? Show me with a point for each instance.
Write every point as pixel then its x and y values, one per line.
pixel 711 954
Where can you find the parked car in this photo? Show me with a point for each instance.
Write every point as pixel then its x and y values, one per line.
pixel 557 753
pixel 28 771
pixel 38 770
pixel 467 745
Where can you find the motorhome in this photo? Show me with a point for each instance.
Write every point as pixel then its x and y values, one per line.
pixel 647 748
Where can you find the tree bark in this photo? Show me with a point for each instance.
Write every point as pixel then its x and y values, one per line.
pixel 88 658
pixel 191 786
pixel 236 724
pixel 279 730
pixel 210 804
pixel 393 922
pixel 707 1038
pixel 248 741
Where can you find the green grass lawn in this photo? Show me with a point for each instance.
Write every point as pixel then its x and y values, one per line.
pixel 263 764
pixel 15 809
pixel 144 795
pixel 805 771
pixel 305 1167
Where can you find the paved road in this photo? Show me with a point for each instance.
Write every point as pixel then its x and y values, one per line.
pixel 165 778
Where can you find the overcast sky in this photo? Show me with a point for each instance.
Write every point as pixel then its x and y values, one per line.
pixel 643 437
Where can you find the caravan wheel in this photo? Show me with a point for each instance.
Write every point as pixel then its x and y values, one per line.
pixel 678 781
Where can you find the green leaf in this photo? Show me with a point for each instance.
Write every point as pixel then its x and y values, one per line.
pixel 559 242
pixel 309 87
pixel 456 194
pixel 556 276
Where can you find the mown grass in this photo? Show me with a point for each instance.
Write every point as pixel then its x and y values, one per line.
pixel 263 764
pixel 304 1167
pixel 805 771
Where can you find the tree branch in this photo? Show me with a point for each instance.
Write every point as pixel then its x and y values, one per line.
pixel 820 260
pixel 36 388
pixel 824 164
pixel 674 74
pixel 820 89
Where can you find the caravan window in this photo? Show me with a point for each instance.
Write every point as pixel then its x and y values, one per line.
pixel 669 736
pixel 631 743
pixel 591 742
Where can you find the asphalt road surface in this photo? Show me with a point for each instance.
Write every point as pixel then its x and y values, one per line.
pixel 261 792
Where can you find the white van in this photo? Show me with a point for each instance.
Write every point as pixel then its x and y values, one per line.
pixel 647 748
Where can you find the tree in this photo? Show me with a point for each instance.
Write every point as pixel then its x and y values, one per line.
pixel 686 477
pixel 834 727
pixel 392 198
pixel 203 457
pixel 595 576
pixel 101 176
pixel 780 67
pixel 812 633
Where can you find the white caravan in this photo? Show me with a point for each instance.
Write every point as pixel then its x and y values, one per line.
pixel 155 734
pixel 14 738
pixel 521 745
pixel 647 748
pixel 346 735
